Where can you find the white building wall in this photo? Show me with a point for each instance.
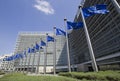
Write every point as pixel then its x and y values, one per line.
pixel 26 39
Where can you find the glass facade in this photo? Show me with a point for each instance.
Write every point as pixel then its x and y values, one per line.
pixel 26 40
pixel 104 31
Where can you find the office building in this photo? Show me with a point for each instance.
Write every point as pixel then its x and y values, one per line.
pixel 104 31
pixel 6 66
pixel 27 40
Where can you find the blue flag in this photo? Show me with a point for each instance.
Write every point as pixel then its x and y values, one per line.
pixel 43 43
pixel 60 32
pixel 29 50
pixel 86 13
pixel 33 50
pixel 37 46
pixel 10 58
pixel 17 56
pixel 24 53
pixel 74 25
pixel 49 38
pixel 14 57
pixel 97 9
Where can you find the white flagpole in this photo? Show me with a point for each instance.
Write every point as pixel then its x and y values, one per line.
pixel 94 65
pixel 21 63
pixel 25 62
pixel 68 52
pixel 32 70
pixel 45 56
pixel 38 64
pixel 13 63
pixel 8 65
pixel 54 55
pixel 115 3
pixel 29 61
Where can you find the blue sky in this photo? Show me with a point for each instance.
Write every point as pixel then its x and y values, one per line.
pixel 31 15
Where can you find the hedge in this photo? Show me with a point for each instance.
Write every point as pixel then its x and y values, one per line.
pixel 102 75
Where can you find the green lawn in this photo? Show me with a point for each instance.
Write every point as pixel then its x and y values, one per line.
pixel 73 76
pixel 94 76
pixel 22 77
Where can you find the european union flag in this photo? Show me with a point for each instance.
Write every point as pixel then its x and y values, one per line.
pixel 49 38
pixel 17 56
pixel 86 13
pixel 43 43
pixel 74 25
pixel 29 50
pixel 7 59
pixel 37 46
pixel 24 53
pixel 33 50
pixel 10 58
pixel 97 9
pixel 60 32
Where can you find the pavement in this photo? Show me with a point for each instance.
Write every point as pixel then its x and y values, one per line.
pixel 33 74
pixel 1 76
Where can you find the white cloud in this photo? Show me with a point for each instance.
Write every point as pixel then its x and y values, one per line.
pixel 44 6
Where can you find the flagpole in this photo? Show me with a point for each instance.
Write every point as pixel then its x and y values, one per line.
pixel 54 55
pixel 18 66
pixel 68 52
pixel 94 65
pixel 13 64
pixel 38 64
pixel 21 64
pixel 45 56
pixel 115 3
pixel 22 61
pixel 29 61
pixel 15 60
pixel 8 66
pixel 25 61
pixel 32 70
pixel 9 62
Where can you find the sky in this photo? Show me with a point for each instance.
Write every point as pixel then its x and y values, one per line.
pixel 32 15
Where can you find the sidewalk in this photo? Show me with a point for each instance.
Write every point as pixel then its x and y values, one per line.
pixel 33 74
pixel 1 76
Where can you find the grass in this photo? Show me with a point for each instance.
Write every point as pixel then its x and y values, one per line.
pixel 73 76
pixel 23 77
pixel 94 76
